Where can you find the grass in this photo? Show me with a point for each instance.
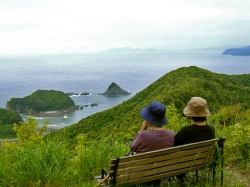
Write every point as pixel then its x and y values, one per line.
pixel 51 164
pixel 40 162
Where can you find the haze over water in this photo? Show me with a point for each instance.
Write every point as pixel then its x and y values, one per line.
pixel 93 73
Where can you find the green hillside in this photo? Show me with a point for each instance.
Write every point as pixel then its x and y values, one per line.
pixel 176 87
pixel 75 154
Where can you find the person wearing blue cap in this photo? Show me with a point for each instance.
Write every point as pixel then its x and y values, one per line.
pixel 156 137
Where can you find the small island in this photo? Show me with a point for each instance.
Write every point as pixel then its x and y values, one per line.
pixel 243 51
pixel 43 103
pixel 115 90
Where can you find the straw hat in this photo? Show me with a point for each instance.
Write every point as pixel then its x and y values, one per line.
pixel 197 107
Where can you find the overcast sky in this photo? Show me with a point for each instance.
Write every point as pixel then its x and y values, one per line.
pixel 80 26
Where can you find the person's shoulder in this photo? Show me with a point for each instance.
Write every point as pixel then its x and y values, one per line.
pixel 169 132
pixel 186 127
pixel 143 132
pixel 210 125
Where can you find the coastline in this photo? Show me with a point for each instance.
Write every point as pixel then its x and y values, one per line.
pixel 49 114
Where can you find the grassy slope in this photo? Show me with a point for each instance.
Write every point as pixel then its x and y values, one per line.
pixel 178 86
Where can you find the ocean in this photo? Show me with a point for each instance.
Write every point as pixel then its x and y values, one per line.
pixel 22 75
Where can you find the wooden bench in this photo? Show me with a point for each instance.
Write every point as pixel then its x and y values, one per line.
pixel 164 163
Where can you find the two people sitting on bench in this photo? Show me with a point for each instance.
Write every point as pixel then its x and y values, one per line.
pixel 158 137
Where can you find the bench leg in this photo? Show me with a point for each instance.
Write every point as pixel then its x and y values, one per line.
pixel 181 178
pixel 196 176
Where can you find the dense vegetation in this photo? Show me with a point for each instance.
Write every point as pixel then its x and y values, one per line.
pixel 38 161
pixel 7 119
pixel 42 100
pixel 74 155
pixel 176 88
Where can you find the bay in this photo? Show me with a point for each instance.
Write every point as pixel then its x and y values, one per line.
pixel 20 76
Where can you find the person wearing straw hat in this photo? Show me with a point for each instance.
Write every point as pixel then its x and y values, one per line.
pixel 199 130
pixel 156 137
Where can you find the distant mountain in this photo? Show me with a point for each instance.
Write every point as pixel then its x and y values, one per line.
pixel 115 90
pixel 128 50
pixel 244 51
pixel 175 87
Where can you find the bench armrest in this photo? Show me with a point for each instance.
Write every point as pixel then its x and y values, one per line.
pixel 105 173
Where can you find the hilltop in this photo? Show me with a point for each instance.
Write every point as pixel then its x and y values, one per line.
pixel 175 87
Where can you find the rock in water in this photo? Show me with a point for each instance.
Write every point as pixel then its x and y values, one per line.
pixel 115 90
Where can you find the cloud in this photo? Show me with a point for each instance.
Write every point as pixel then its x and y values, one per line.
pixel 61 26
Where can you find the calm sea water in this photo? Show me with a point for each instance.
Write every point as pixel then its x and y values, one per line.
pixel 93 73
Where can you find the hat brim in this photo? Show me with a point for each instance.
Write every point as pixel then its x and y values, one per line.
pixel 188 112
pixel 146 116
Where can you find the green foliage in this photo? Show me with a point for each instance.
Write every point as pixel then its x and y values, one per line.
pixel 37 161
pixel 237 145
pixel 173 89
pixel 42 100
pixel 88 160
pixel 233 122
pixel 73 155
pixel 227 102
pixel 175 120
pixel 7 119
pixel 228 115
pixel 31 165
pixel 41 162
pixel 27 131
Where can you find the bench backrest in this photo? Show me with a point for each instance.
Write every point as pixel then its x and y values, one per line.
pixel 162 163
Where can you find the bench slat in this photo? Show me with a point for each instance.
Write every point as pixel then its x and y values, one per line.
pixel 165 151
pixel 205 150
pixel 159 176
pixel 157 171
pixel 166 163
